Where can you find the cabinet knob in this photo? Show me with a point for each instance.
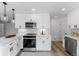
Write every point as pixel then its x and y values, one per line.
pixel 11 49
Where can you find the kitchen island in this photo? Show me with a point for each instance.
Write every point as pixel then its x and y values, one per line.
pixel 9 46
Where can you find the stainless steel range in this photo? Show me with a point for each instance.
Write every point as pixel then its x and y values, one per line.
pixel 29 42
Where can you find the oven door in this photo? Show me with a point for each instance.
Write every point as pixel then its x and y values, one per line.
pixel 29 44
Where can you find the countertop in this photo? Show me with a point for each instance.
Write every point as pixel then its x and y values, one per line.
pixel 74 37
pixel 4 40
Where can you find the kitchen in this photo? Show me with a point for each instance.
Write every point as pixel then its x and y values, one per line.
pixel 39 28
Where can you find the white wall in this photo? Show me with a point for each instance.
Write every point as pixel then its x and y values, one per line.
pixel 63 27
pixel 58 28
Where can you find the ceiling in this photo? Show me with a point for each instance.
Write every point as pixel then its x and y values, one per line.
pixel 54 8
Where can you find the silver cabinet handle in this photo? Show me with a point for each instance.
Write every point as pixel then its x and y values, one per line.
pixel 11 49
pixel 10 43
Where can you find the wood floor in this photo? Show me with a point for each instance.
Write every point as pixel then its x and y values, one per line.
pixel 58 50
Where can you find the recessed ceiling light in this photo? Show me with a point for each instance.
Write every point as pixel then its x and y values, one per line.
pixel 33 9
pixel 63 9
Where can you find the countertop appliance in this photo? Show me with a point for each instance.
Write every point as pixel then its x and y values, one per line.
pixel 31 25
pixel 29 42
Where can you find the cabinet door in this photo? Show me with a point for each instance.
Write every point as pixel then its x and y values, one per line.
pixel 11 48
pixel 43 20
pixel 43 44
pixel 18 45
pixel 46 44
pixel 5 51
pixel 20 20
pixel 39 45
pixel 20 42
pixel 14 48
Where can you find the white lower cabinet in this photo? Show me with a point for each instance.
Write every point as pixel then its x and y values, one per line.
pixel 9 49
pixel 13 48
pixel 18 45
pixel 39 44
pixel 43 44
pixel 5 50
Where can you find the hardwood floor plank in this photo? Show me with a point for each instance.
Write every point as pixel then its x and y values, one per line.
pixel 58 50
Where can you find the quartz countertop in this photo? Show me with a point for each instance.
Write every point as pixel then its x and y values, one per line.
pixel 71 36
pixel 4 40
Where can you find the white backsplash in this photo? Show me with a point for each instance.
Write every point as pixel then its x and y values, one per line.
pixel 31 30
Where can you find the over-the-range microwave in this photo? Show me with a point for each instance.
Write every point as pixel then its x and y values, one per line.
pixel 30 25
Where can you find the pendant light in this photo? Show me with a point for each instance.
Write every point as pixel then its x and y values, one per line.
pixel 13 15
pixel 5 16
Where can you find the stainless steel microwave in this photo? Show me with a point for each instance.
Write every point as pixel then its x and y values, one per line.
pixel 30 25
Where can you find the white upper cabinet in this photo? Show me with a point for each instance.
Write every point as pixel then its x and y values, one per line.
pixel 20 20
pixel 40 19
pixel 43 20
pixel 31 17
pixel 73 18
